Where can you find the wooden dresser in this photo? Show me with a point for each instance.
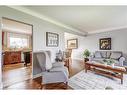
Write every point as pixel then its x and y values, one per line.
pixel 11 57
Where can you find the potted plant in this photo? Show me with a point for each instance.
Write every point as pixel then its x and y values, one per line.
pixel 86 54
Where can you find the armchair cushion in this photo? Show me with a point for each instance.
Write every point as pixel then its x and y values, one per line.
pixel 57 69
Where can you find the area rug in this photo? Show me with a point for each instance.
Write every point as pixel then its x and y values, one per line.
pixel 90 80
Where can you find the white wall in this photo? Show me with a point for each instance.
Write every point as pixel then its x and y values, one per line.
pixel 91 42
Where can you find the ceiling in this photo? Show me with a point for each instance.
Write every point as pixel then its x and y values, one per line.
pixel 83 19
pixel 16 27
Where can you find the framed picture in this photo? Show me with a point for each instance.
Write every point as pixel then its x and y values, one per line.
pixel 105 44
pixel 52 39
pixel 72 43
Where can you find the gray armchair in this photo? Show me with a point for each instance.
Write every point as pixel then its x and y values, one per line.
pixel 55 73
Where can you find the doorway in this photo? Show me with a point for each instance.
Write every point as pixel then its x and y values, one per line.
pixel 17 47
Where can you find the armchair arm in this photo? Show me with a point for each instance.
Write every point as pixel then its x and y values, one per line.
pixel 121 61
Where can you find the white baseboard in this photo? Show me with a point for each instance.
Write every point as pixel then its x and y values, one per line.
pixel 37 75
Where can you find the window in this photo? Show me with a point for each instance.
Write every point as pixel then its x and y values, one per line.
pixel 18 40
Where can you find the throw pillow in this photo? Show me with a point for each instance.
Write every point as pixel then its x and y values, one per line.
pixel 115 55
pixel 108 54
pixel 97 54
pixel 103 54
pixel 58 64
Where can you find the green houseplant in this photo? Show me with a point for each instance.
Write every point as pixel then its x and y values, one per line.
pixel 86 54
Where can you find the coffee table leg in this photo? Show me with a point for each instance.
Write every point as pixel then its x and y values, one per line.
pixel 85 68
pixel 121 78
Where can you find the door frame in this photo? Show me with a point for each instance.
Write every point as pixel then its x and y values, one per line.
pixel 1 45
pixel 1 83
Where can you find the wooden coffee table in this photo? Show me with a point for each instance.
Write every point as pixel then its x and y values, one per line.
pixel 105 70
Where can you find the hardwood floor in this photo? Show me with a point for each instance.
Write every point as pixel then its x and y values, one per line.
pixel 75 67
pixel 15 73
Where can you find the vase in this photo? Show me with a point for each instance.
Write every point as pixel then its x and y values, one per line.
pixel 86 59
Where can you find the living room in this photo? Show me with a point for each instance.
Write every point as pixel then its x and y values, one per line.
pixel 89 25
